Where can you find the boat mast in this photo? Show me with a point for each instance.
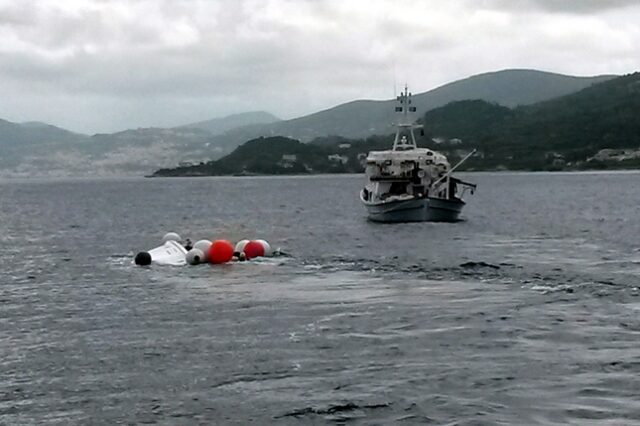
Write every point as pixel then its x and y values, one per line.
pixel 405 108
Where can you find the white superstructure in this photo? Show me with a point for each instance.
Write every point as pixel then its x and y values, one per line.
pixel 408 173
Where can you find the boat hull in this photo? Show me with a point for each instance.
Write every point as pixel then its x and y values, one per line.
pixel 170 253
pixel 415 210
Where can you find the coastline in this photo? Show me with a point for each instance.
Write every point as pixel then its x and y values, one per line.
pixel 488 171
pixel 46 179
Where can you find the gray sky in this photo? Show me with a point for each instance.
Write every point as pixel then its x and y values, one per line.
pixel 102 66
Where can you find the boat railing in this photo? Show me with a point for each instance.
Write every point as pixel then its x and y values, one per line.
pixel 445 180
pixel 452 169
pixel 445 188
pixel 436 188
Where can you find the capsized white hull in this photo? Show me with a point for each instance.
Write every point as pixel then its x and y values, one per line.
pixel 170 253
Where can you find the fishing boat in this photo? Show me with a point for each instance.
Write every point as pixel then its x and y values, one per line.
pixel 412 184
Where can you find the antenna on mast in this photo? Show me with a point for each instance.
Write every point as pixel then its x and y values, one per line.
pixel 401 142
pixel 395 90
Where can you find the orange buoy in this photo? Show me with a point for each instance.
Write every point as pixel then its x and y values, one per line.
pixel 253 249
pixel 221 251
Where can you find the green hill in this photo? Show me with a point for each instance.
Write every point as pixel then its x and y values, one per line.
pixel 564 133
pixel 558 133
pixel 273 156
pixel 363 118
pixel 466 120
pixel 38 149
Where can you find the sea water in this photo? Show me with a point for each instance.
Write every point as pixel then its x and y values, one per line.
pixel 526 312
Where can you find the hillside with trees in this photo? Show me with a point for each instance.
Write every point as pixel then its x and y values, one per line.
pixel 592 129
pixel 273 156
pixel 363 118
pixel 38 149
pixel 560 133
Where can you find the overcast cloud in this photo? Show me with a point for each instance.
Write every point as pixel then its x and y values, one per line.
pixel 102 66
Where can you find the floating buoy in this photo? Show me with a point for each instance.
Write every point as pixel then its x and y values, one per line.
pixel 253 249
pixel 203 245
pixel 195 256
pixel 221 251
pixel 240 246
pixel 268 252
pixel 173 252
pixel 171 236
pixel 143 258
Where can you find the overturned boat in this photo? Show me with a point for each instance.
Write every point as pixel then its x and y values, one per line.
pixel 169 253
pixel 176 252
pixel 411 184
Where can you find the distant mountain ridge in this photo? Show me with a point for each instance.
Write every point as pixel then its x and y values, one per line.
pixel 596 127
pixel 364 118
pixel 217 126
pixel 31 140
pixel 35 148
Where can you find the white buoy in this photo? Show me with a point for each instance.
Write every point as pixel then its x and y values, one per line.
pixel 268 251
pixel 240 246
pixel 171 236
pixel 203 245
pixel 195 256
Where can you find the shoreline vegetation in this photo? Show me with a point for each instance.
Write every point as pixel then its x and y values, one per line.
pixel 459 170
pixel 596 128
pixel 279 156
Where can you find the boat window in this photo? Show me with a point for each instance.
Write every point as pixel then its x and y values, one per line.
pixel 398 188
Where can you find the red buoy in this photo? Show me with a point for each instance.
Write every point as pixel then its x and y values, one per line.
pixel 253 249
pixel 221 251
